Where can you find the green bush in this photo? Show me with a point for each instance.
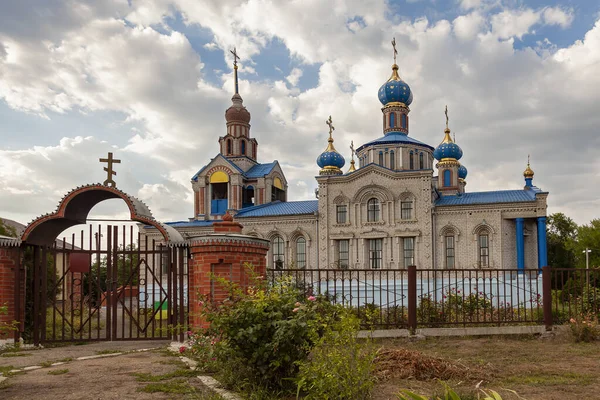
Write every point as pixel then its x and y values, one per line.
pixel 585 328
pixel 339 366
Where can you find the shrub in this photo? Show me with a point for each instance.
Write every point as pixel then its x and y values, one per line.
pixel 585 328
pixel 339 366
pixel 6 328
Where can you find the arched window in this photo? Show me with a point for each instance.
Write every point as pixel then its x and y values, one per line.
pixel 278 252
pixel 447 178
pixel 421 164
pixel 406 209
pixel 373 210
pixel 411 161
pixel 301 252
pixel 228 146
pixel 392 160
pixel 449 250
pixel 381 158
pixel 483 241
pixel 404 121
pixel 243 147
pixel 392 120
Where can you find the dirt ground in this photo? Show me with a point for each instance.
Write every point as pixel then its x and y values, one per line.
pixel 155 374
pixel 536 369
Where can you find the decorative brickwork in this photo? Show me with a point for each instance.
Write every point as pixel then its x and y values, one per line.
pixel 224 254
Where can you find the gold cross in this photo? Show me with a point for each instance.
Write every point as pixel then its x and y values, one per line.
pixel 528 160
pixel 446 112
pixel 395 51
pixel 331 127
pixel 235 56
pixel 109 170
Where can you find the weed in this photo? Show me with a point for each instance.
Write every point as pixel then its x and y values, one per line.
pixel 178 386
pixel 58 371
pixel 15 354
pixel 178 373
pixel 108 351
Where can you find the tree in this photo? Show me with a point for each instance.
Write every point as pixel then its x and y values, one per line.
pixel 7 230
pixel 588 237
pixel 562 240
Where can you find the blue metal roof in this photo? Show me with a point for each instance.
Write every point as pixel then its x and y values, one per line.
pixel 498 196
pixel 184 224
pixel 195 177
pixel 260 170
pixel 393 138
pixel 280 208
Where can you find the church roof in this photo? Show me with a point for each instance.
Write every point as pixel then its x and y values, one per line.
pixel 185 224
pixel 195 177
pixel 393 138
pixel 260 170
pixel 278 208
pixel 498 196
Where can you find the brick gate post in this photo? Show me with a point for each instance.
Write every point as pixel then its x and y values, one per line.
pixel 224 254
pixel 11 292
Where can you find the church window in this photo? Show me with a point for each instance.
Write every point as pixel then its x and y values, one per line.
pixel 218 186
pixel 447 178
pixel 484 250
pixel 381 158
pixel 375 253
pixel 392 160
pixel 277 190
pixel 449 251
pixel 411 161
pixel 243 147
pixel 228 146
pixel 406 209
pixel 392 120
pixel 343 253
pixel 408 245
pixel 421 163
pixel 341 214
pixel 301 252
pixel 404 121
pixel 373 209
pixel 278 252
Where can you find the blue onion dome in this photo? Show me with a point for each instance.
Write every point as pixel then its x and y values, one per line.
pixel 330 159
pixel 447 149
pixel 395 90
pixel 462 172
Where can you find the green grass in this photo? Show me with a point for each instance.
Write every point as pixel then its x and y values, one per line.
pixel 178 386
pixel 58 371
pixel 178 373
pixel 108 351
pixel 550 379
pixel 5 371
pixel 15 354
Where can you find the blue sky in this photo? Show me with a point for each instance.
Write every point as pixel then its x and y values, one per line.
pixel 150 81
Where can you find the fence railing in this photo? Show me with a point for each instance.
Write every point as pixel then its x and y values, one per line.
pixel 413 298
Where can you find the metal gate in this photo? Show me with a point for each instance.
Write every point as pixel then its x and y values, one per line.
pixel 108 283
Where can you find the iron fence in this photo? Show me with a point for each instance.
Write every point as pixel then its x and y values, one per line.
pixel 414 298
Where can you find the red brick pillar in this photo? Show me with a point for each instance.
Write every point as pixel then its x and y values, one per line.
pixel 225 254
pixel 9 262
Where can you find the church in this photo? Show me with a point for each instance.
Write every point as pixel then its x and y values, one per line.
pixel 402 202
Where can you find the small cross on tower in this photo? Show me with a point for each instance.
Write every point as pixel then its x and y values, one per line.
pixel 235 57
pixel 109 169
pixel 395 51
pixel 446 112
pixel 331 127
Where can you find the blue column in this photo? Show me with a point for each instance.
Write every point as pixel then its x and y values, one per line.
pixel 520 245
pixel 542 247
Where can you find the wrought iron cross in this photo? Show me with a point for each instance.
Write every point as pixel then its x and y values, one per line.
pixel 235 56
pixel 446 112
pixel 528 160
pixel 395 51
pixel 109 170
pixel 352 147
pixel 331 127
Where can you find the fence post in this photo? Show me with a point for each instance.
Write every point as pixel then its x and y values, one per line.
pixel 547 296
pixel 412 298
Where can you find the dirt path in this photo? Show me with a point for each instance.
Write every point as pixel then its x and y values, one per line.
pixel 156 374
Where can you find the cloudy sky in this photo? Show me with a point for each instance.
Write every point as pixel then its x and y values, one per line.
pixel 150 81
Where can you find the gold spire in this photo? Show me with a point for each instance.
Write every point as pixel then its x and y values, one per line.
pixel 447 138
pixel 528 173
pixel 352 167
pixel 330 140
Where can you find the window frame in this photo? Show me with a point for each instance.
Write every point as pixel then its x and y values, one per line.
pixel 421 161
pixel 392 160
pixel 450 251
pixel 338 213
pixel 278 244
pixel 343 253
pixel 409 259
pixel 381 159
pixel 373 210
pixel 375 253
pixel 484 251
pixel 300 261
pixel 403 209
pixel 411 161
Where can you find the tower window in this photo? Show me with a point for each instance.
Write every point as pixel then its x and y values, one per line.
pixel 375 253
pixel 301 252
pixel 381 158
pixel 392 120
pixel 449 251
pixel 278 252
pixel 373 210
pixel 447 178
pixel 228 146
pixel 392 160
pixel 243 147
pixel 411 161
pixel 404 121
pixel 421 163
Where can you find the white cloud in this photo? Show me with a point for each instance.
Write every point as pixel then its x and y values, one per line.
pixel 469 4
pixel 558 16
pixel 503 102
pixel 211 46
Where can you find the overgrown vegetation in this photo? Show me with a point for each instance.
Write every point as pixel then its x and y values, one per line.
pixel 283 340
